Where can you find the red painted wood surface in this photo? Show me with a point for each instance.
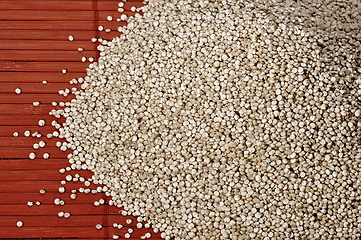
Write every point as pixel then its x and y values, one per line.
pixel 34 47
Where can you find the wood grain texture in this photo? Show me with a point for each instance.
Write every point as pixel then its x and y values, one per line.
pixel 57 67
pixel 55 14
pixel 34 47
pixel 78 5
pixel 7 131
pixel 43 98
pixel 18 142
pixel 37 77
pixel 27 88
pixel 81 35
pixel 25 186
pixel 45 55
pixel 8 108
pixel 61 25
pixel 34 164
pixel 12 121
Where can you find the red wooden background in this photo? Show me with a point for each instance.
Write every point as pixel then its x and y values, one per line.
pixel 34 47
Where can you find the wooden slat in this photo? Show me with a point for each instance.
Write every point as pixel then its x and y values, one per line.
pixel 47 198
pixel 69 232
pixel 76 209
pixel 52 221
pixel 45 55
pixel 30 98
pixel 62 15
pixel 74 220
pixel 33 174
pixel 51 186
pixel 27 141
pixel 36 164
pixel 24 153
pixel 61 25
pixel 7 131
pixel 11 66
pixel 11 120
pixel 30 175
pixel 38 77
pixel 46 45
pixel 25 108
pixel 47 232
pixel 27 88
pixel 64 5
pixel 81 35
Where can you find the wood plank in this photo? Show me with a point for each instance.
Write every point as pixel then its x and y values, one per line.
pixel 53 34
pixel 14 108
pixel 34 186
pixel 47 198
pixel 75 209
pixel 11 120
pixel 49 15
pixel 11 66
pixel 36 164
pixel 52 221
pixel 38 77
pixel 47 44
pixel 7 131
pixel 38 175
pixel 30 98
pixel 30 88
pixel 71 232
pixel 79 5
pixel 14 153
pixel 45 55
pixel 61 25
pixel 16 142
pixel 28 175
pixel 50 232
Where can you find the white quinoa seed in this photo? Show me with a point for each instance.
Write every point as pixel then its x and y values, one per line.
pixel 62 189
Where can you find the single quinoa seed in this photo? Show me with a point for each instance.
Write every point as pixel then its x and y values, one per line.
pixel 19 224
